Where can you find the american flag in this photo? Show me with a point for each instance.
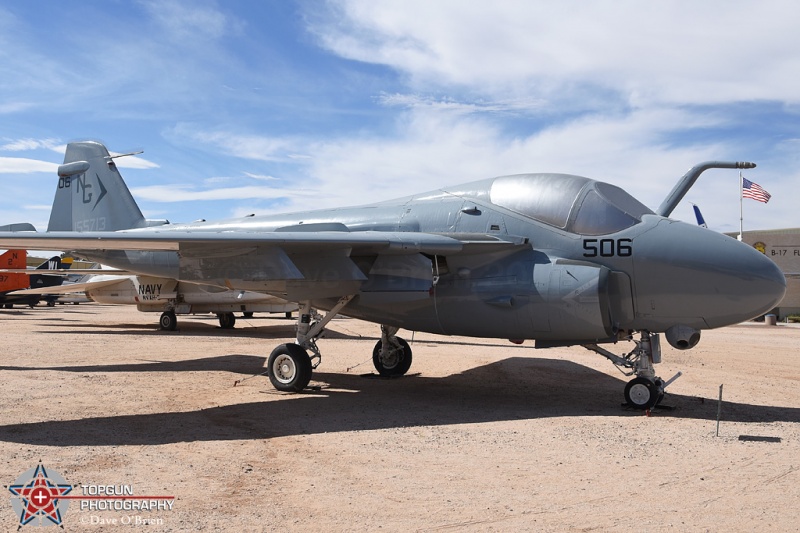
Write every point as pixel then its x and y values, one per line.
pixel 754 191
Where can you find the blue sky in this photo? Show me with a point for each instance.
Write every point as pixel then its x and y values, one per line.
pixel 259 107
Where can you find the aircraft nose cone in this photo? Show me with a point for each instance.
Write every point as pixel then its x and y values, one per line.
pixel 701 276
pixel 760 283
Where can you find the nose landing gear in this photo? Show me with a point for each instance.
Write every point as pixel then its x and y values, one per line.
pixel 643 393
pixel 646 390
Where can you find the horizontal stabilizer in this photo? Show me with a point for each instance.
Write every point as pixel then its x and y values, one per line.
pixel 22 226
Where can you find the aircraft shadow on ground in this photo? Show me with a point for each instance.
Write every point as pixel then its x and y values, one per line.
pixel 265 331
pixel 237 364
pixel 195 329
pixel 41 310
pixel 512 389
pixel 191 330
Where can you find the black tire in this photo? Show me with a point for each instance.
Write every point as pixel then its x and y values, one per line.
pixel 289 368
pixel 641 393
pixel 168 321
pixel 226 320
pixel 9 306
pixel 247 314
pixel 51 303
pixel 398 361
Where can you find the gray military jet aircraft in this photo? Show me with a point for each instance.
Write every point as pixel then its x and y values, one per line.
pixel 561 259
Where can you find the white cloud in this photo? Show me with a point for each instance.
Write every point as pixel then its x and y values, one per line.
pixel 434 147
pixel 20 145
pixel 261 177
pixel 188 193
pixel 19 165
pixel 14 107
pixel 514 106
pixel 228 179
pixel 13 215
pixel 14 165
pixel 132 161
pixel 472 90
pixel 191 21
pixel 252 146
pixel 679 52
pixel 217 179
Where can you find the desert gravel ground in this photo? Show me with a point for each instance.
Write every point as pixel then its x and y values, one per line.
pixel 482 435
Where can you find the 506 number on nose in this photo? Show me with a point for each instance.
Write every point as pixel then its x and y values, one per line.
pixel 607 247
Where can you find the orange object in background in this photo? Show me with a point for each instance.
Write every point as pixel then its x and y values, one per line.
pixel 14 281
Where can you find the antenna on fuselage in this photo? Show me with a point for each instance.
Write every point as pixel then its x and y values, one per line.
pixel 124 155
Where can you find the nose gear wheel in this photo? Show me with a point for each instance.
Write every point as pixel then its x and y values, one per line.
pixel 642 393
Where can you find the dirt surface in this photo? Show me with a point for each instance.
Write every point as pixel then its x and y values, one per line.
pixel 482 435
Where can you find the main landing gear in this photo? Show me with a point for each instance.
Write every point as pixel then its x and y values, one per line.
pixel 226 320
pixel 169 322
pixel 646 390
pixel 391 355
pixel 290 367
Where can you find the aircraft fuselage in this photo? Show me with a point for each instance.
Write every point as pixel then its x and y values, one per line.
pixel 555 284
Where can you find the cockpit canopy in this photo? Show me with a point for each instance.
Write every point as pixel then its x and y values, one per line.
pixel 572 203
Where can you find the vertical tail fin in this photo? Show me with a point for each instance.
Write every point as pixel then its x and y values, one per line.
pixel 699 216
pixel 15 259
pixel 50 280
pixel 55 263
pixel 91 194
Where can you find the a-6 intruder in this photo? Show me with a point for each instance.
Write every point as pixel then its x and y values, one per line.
pixel 560 259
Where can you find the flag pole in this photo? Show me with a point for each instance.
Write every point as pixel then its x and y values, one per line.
pixel 741 201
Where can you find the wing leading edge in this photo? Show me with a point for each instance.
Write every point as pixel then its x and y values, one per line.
pixel 365 241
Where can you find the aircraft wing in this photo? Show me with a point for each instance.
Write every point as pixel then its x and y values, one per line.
pixel 198 242
pixel 72 287
pixel 292 265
